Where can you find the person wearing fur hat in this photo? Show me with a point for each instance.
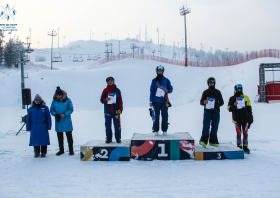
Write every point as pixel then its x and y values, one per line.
pixel 111 97
pixel 61 109
pixel 212 100
pixel 38 122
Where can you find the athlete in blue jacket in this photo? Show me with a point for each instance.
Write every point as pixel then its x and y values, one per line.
pixel 38 122
pixel 159 90
pixel 62 108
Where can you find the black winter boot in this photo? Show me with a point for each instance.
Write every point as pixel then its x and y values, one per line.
pixel 108 140
pixel 246 150
pixel 70 142
pixel 43 151
pixel 213 139
pixel 204 139
pixel 60 152
pixel 60 143
pixel 36 151
pixel 118 140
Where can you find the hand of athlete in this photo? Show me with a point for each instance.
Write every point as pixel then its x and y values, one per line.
pixel 235 103
pixel 107 99
pixel 62 115
pixel 165 90
pixel 205 101
pixel 151 104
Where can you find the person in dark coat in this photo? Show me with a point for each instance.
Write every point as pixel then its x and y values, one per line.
pixel 160 102
pixel 62 108
pixel 38 122
pixel 112 109
pixel 212 100
pixel 242 116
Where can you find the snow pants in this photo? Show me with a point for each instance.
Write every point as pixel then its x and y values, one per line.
pixel 108 125
pixel 212 118
pixel 244 128
pixel 161 106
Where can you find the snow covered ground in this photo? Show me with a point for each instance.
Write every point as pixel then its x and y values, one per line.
pixel 66 176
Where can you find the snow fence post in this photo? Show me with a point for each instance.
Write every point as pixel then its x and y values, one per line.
pixel 186 62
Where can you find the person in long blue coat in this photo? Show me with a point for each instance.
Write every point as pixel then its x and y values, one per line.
pixel 38 122
pixel 62 108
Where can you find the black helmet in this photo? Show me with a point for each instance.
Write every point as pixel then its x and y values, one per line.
pixel 110 78
pixel 211 80
pixel 160 68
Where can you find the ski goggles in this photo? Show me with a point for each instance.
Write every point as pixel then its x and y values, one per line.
pixel 238 86
pixel 211 81
pixel 110 78
pixel 160 67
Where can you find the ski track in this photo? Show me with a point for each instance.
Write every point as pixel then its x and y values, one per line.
pixel 66 176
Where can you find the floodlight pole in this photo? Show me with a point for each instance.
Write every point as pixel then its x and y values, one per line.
pixel 52 34
pixel 184 11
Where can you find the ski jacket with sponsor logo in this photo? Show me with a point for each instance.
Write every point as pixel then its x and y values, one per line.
pixel 243 115
pixel 112 107
pixel 165 83
pixel 62 106
pixel 39 121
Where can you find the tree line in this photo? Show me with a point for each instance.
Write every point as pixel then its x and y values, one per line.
pixel 9 50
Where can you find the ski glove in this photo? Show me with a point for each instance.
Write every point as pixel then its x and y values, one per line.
pixel 57 117
pixel 118 112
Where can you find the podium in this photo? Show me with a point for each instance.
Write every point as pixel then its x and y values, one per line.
pixel 224 151
pixel 173 146
pixel 98 150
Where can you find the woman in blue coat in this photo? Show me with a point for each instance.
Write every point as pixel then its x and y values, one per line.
pixel 62 108
pixel 38 122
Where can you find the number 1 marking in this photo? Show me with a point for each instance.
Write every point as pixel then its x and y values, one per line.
pixel 162 154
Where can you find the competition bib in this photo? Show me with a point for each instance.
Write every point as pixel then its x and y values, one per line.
pixel 160 92
pixel 240 102
pixel 211 103
pixel 113 97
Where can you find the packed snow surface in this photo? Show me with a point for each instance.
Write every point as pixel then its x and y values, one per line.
pixel 22 175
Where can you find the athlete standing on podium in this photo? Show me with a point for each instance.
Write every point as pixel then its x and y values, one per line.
pixel 211 100
pixel 112 99
pixel 159 90
pixel 240 106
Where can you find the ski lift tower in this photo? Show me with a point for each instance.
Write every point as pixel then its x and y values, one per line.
pixel 52 34
pixel 184 11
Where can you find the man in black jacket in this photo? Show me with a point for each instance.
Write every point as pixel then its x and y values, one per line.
pixel 211 100
pixel 240 106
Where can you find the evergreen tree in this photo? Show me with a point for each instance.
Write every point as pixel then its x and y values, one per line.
pixel 12 52
pixel 1 45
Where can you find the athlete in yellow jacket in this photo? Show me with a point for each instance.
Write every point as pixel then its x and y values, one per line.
pixel 240 106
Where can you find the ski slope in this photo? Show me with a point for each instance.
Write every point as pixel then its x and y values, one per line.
pixel 66 176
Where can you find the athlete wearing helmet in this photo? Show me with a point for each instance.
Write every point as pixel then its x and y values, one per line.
pixel 112 110
pixel 159 90
pixel 240 106
pixel 211 100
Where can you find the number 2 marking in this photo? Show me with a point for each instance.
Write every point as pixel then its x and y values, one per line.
pixel 104 153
